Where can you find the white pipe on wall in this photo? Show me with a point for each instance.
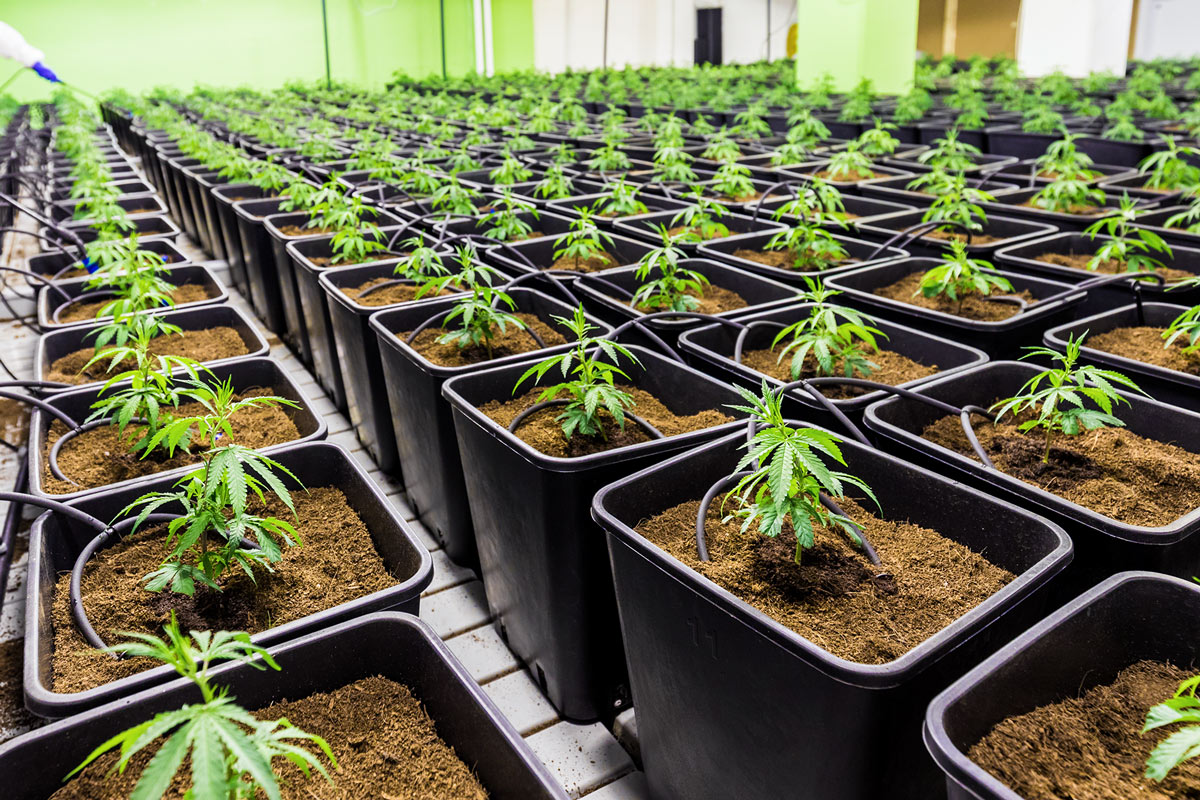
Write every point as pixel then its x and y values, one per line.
pixel 489 56
pixel 478 28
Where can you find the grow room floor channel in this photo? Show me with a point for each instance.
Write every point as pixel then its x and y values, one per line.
pixel 587 759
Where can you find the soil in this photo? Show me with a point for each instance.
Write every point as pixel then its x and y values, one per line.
pixel 300 230
pixel 101 456
pixel 385 742
pixel 953 235
pixel 1145 344
pixel 14 421
pixel 326 262
pixel 1091 747
pixel 1112 471
pixel 786 259
pixel 209 344
pixel 543 432
pixel 83 273
pixel 592 264
pixel 512 341
pixel 1086 210
pixel 716 300
pixel 907 290
pixel 398 293
pixel 891 368
pixel 835 597
pixel 1107 267
pixel 681 229
pixel 849 177
pixel 14 718
pixel 79 312
pixel 336 563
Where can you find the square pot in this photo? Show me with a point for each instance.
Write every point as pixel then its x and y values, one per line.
pixel 861 253
pixel 1006 230
pixel 645 227
pixel 52 298
pixel 56 542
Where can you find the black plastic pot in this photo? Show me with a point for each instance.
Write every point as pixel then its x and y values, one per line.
pixel 1134 185
pixel 861 253
pixel 645 227
pixel 758 292
pixel 55 543
pixel 57 344
pixel 542 558
pixel 545 223
pixel 863 209
pixel 421 418
pixel 540 252
pixel 130 186
pixel 1010 204
pixel 654 204
pixel 146 226
pixel 1024 173
pixel 54 262
pixel 1166 385
pixel 223 198
pixel 393 645
pixel 1056 303
pixel 895 189
pixel 261 277
pixel 1103 545
pixel 718 685
pixel 1006 229
pixel 49 298
pixel 246 373
pixel 314 308
pixel 1130 617
pixel 64 210
pixel 710 348
pixel 810 168
pixel 1155 220
pixel 1024 258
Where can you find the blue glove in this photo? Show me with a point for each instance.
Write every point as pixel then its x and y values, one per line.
pixel 45 72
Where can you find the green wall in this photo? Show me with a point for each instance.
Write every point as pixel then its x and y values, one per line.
pixel 137 44
pixel 855 39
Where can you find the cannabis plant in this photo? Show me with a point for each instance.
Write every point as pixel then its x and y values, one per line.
pixel 1128 243
pixel 590 382
pixel 957 202
pixel 700 219
pixel 583 241
pixel 504 222
pixel 228 750
pixel 1055 397
pixel 676 288
pixel 949 154
pixel 1172 168
pixel 829 333
pixel 787 474
pixel 620 200
pixel 478 314
pixel 959 277
pixel 1186 324
pixel 850 164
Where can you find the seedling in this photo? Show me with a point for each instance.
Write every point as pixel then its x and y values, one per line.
pixel 454 198
pixel 1068 194
pixel 1171 169
pixel 420 262
pixel 812 247
pixel 959 277
pixel 619 201
pixel 850 164
pixel 592 385
pixel 554 185
pixel 229 750
pixel 699 220
pixel 608 158
pixel 949 154
pixel 877 141
pixel 509 172
pixel 1189 219
pixel 1128 243
pixel 478 311
pixel 215 518
pixel 721 148
pixel 830 332
pixel 805 130
pixel 676 288
pixel 1056 396
pixel 733 180
pixel 583 241
pixel 672 164
pixel 355 244
pixel 1063 159
pixel 1186 324
pixel 957 202
pixel 503 221
pixel 788 475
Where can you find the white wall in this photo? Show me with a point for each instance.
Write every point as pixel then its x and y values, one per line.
pixel 570 33
pixel 1167 29
pixel 1073 36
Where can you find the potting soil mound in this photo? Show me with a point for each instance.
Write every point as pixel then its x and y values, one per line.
pixel 848 177
pixel 1091 747
pixel 835 597
pixel 1085 210
pixel 336 563
pixel 959 236
pixel 714 300
pixel 786 259
pixel 80 312
pixel 1109 266
pixel 1112 471
pixel 542 431
pixel 512 341
pixel 682 229
pixel 209 344
pixel 390 295
pixel 890 367
pixel 1146 344
pixel 908 290
pixel 14 719
pixel 591 264
pixel 102 456
pixel 384 740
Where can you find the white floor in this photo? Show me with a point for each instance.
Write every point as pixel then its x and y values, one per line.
pixel 587 759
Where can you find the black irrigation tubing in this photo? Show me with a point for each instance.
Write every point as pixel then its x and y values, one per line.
pixel 47 221
pixel 920 229
pixel 53 242
pixel 1134 282
pixel 78 614
pixel 386 284
pixel 22 383
pixel 651 431
pixel 76 430
pixel 12 520
pixel 441 316
pixel 407 224
pixel 789 184
pixel 550 276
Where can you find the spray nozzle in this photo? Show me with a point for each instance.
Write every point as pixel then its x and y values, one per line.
pixel 45 72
